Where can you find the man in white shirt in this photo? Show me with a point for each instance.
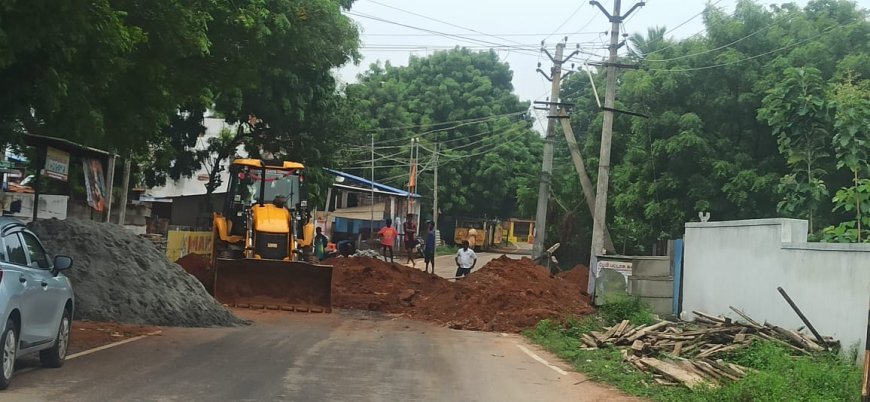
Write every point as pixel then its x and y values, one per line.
pixel 465 260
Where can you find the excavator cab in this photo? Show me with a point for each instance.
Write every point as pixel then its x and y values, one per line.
pixel 262 254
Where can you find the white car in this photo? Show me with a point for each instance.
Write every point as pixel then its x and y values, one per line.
pixel 36 300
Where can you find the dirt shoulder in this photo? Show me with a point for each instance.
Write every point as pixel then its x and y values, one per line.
pixel 91 334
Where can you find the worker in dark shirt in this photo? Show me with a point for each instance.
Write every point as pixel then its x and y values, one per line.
pixel 410 238
pixel 429 247
pixel 320 242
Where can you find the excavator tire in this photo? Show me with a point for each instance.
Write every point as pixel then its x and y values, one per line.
pixel 273 285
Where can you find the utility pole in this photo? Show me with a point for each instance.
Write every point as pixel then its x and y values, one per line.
pixel 435 195
pixel 600 215
pixel 372 222
pixel 549 141
pixel 585 182
pixel 122 213
pixel 110 187
pixel 412 178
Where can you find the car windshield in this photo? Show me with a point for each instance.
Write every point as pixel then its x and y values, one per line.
pixel 278 183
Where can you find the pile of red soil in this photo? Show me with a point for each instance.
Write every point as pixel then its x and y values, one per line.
pixel 200 267
pixel 505 295
pixel 365 283
pixel 578 275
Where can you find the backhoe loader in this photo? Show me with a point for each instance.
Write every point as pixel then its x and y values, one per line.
pixel 262 252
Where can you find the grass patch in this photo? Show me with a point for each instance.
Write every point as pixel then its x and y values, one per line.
pixel 621 308
pixel 446 250
pixel 780 376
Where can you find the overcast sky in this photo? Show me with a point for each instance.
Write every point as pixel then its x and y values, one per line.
pixel 517 28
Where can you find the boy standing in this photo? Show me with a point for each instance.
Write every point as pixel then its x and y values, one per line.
pixel 465 260
pixel 410 238
pixel 388 239
pixel 429 248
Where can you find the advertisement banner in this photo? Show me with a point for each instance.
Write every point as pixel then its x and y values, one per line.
pixel 56 164
pixel 182 243
pixel 94 184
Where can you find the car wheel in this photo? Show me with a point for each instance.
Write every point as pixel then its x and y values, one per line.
pixel 8 349
pixel 55 356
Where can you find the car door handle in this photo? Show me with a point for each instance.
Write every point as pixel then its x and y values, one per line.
pixel 22 279
pixel 44 284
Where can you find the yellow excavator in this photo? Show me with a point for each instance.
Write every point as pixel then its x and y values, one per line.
pixel 262 252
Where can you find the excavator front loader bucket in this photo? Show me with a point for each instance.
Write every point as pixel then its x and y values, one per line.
pixel 274 284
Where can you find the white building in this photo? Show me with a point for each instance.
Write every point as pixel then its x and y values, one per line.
pixel 195 184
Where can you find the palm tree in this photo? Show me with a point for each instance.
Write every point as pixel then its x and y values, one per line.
pixel 654 40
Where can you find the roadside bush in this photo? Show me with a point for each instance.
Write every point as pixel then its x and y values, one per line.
pixel 620 308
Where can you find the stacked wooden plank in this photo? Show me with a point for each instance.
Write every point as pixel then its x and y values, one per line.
pixel 693 351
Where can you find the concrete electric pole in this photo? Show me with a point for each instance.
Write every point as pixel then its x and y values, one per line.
pixel 122 213
pixel 600 215
pixel 549 142
pixel 110 186
pixel 585 181
pixel 435 190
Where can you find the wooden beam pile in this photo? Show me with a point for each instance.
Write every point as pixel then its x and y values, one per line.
pixel 694 350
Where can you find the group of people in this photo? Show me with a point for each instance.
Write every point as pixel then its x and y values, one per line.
pixel 388 235
pixel 465 258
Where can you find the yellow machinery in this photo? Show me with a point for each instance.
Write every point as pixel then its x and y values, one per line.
pixel 263 247
pixel 489 233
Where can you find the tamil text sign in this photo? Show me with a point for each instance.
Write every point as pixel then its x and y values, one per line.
pixel 56 164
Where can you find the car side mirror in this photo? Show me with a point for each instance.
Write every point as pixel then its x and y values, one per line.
pixel 62 263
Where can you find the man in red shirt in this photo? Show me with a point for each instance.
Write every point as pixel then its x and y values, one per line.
pixel 410 238
pixel 388 239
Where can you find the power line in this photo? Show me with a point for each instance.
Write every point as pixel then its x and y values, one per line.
pixel 592 18
pixel 674 70
pixel 445 128
pixel 693 17
pixel 444 34
pixel 771 25
pixel 576 10
pixel 475 119
pixel 439 21
pixel 529 47
pixel 684 23
pixel 450 158
pixel 495 35
pixel 362 148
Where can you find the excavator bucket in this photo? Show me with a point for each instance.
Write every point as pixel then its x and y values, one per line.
pixel 273 284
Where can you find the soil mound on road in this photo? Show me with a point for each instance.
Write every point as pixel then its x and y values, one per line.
pixel 365 283
pixel 505 295
pixel 118 276
pixel 578 275
pixel 200 267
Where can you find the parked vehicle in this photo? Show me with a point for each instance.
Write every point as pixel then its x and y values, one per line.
pixel 36 300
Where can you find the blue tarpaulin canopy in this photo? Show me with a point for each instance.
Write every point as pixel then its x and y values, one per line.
pixel 365 184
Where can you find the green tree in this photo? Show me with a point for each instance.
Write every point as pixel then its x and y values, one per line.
pixel 461 100
pixel 653 41
pixel 138 76
pixel 105 73
pixel 851 102
pixel 797 112
pixel 704 147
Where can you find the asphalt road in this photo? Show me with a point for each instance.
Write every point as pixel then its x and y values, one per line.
pixel 344 356
pixel 445 265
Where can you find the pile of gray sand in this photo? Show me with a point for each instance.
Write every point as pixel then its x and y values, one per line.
pixel 118 276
